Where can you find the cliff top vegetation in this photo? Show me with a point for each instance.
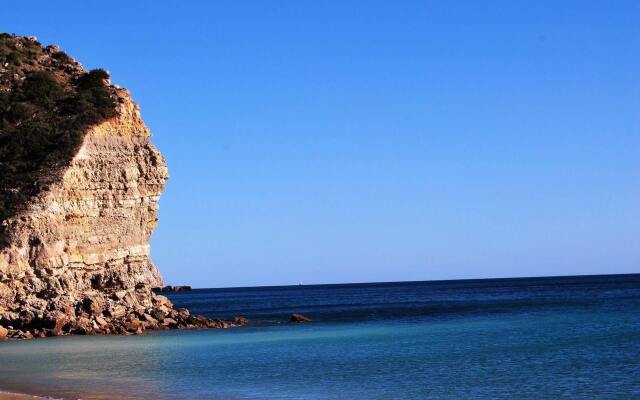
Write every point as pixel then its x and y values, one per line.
pixel 47 102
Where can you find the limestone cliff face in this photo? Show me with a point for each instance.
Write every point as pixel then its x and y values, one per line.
pixel 79 189
pixel 90 229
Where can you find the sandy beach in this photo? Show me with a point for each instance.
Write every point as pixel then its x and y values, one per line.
pixel 17 396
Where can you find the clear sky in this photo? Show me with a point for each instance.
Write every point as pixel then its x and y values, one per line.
pixel 352 141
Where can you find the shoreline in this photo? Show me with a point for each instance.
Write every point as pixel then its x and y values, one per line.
pixel 6 395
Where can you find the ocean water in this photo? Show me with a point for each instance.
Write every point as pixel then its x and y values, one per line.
pixel 570 337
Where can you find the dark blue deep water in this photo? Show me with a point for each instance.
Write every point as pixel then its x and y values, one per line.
pixel 569 337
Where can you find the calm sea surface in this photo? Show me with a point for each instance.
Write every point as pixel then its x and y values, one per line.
pixel 572 338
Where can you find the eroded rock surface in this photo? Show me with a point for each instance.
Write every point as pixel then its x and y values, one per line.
pixel 75 257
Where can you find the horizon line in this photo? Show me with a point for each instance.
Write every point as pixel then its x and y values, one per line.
pixel 415 281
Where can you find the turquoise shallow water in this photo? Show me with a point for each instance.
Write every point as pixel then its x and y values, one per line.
pixel 554 338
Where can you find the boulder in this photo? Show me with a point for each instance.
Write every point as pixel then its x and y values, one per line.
pixel 157 314
pixel 56 321
pixel 298 318
pixel 149 318
pixel 240 320
pixel 134 325
pixel 117 311
pixel 119 295
pixel 170 322
pixel 92 305
pixel 162 301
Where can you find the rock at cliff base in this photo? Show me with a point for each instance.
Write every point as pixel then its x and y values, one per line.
pixel 240 320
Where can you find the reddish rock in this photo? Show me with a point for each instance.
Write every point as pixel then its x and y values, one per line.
pixel 162 301
pixel 92 306
pixel 56 321
pixel 157 315
pixel 117 311
pixel 170 322
pixel 240 320
pixel 149 318
pixel 133 324
pixel 298 318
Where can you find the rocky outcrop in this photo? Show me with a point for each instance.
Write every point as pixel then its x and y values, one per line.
pixel 75 257
pixel 169 288
pixel 299 318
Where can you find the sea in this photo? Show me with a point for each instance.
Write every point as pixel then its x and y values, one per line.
pixel 527 338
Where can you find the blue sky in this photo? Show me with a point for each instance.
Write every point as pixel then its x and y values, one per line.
pixel 353 141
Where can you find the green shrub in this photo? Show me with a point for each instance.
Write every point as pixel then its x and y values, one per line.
pixel 61 56
pixel 93 79
pixel 15 58
pixel 42 88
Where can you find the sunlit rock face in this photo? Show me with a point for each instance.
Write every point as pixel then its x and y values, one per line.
pixel 74 256
pixel 90 229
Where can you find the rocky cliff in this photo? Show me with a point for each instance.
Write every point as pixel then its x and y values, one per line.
pixel 74 251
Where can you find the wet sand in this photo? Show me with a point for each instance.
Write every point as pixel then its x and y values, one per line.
pixel 18 396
